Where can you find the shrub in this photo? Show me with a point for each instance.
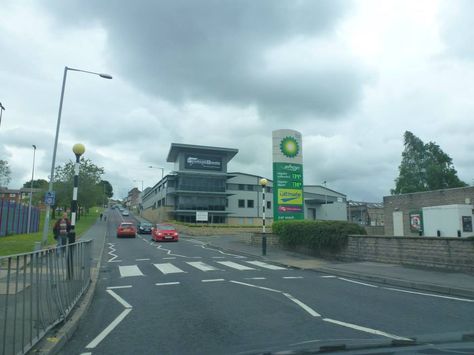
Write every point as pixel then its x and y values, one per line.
pixel 316 235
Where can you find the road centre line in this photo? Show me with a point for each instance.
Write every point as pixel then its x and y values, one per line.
pixel 86 353
pixel 117 287
pixel 212 280
pixel 365 329
pixel 255 278
pixel 250 285
pixel 115 261
pixel 328 277
pixel 429 294
pixel 144 259
pixel 119 299
pixel 170 258
pixel 302 305
pixel 108 329
pixel 292 277
pixel 357 282
pixel 167 283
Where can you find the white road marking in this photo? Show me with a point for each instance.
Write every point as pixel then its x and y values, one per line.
pixel 265 265
pixel 145 259
pixel 167 283
pixel 357 282
pixel 260 287
pixel 364 329
pixel 115 261
pixel 255 278
pixel 212 280
pixel 292 277
pixel 117 287
pixel 130 270
pixel 170 258
pixel 111 253
pixel 236 266
pixel 302 305
pixel 328 277
pixel 167 268
pixel 109 328
pixel 86 353
pixel 429 294
pixel 169 251
pixel 220 251
pixel 119 299
pixel 201 266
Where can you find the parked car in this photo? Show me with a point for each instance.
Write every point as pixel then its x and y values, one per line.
pixel 144 228
pixel 126 229
pixel 164 232
pixel 125 213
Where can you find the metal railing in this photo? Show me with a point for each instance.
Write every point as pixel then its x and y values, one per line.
pixel 38 290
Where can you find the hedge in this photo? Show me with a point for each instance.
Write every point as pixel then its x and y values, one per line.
pixel 316 235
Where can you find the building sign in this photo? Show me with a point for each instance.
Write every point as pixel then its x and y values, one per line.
pixel 287 175
pixel 467 223
pixel 202 162
pixel 416 221
pixel 202 216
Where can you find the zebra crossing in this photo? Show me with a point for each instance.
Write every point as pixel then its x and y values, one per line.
pixel 189 266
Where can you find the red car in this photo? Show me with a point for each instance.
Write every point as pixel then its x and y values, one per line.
pixel 126 229
pixel 164 232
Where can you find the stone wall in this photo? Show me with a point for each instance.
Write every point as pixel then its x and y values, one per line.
pixel 415 201
pixel 452 254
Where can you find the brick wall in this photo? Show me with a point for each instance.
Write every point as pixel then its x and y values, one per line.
pixel 415 201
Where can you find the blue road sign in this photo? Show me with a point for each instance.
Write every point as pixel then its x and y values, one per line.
pixel 50 198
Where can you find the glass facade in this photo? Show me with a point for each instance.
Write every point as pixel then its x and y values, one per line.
pixel 204 183
pixel 200 203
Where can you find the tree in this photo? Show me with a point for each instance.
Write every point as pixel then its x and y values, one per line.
pixel 90 188
pixel 108 189
pixel 424 167
pixel 5 173
pixel 38 196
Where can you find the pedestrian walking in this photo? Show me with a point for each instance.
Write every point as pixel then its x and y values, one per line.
pixel 101 216
pixel 61 230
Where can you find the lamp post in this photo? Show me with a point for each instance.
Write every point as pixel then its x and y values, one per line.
pixel 31 190
pixel 58 124
pixel 157 167
pixel 2 108
pixel 263 183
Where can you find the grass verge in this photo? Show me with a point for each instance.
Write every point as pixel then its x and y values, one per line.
pixel 24 243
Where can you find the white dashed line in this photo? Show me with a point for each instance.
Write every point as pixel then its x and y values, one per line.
pixel 292 277
pixel 145 259
pixel 117 287
pixel 328 277
pixel 212 280
pixel 167 283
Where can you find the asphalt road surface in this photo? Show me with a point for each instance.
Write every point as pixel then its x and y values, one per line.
pixel 186 298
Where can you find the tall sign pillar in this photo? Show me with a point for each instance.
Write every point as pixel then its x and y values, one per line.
pixel 287 175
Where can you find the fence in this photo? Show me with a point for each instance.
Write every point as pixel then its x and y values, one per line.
pixel 14 218
pixel 38 290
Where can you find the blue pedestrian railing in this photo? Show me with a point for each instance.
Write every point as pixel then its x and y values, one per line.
pixel 38 290
pixel 14 218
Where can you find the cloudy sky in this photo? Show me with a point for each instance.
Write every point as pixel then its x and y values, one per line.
pixel 351 76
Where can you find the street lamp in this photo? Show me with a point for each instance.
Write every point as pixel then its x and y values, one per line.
pixel 31 190
pixel 58 124
pixel 2 108
pixel 157 167
pixel 263 183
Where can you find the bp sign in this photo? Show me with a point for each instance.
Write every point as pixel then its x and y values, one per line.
pixel 287 175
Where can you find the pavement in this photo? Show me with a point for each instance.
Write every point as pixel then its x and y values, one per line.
pixel 450 283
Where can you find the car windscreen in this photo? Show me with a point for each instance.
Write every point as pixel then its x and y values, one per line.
pixel 165 227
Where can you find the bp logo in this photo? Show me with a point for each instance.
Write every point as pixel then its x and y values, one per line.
pixel 289 147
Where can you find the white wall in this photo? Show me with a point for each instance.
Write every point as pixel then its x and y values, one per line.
pixel 447 219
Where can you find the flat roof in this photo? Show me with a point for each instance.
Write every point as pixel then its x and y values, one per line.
pixel 176 148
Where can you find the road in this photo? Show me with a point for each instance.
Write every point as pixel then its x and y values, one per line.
pixel 186 298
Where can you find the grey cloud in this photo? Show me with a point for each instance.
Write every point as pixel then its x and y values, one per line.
pixel 457 30
pixel 214 51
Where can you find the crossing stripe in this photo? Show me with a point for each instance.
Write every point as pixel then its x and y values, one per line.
pixel 168 268
pixel 201 266
pixel 265 265
pixel 130 270
pixel 236 266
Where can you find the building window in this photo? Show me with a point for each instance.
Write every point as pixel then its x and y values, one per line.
pixel 250 203
pixel 269 189
pixel 241 203
pixel 249 187
pixel 241 187
pixel 269 204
